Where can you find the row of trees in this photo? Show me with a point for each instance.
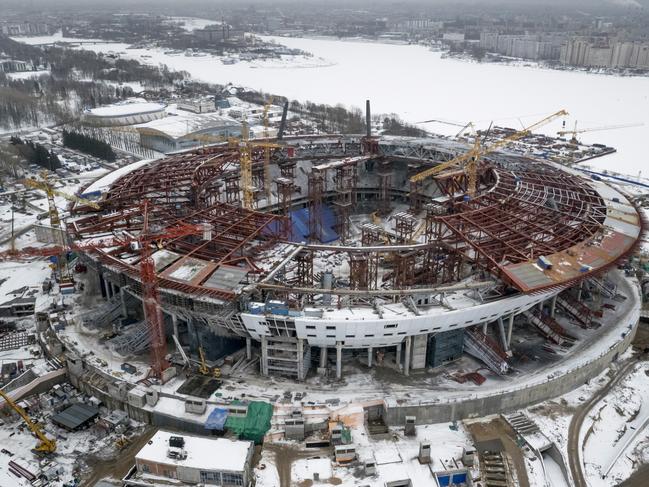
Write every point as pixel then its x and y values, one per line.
pixel 89 145
pixel 78 79
pixel 36 153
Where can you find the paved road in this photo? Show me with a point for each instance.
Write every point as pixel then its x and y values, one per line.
pixel 574 447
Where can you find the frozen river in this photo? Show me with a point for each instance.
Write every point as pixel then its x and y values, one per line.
pixel 418 84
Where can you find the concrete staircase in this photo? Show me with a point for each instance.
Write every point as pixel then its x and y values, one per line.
pixel 582 314
pixel 487 350
pixel 548 326
pixel 135 339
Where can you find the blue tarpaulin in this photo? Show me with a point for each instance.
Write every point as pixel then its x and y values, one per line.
pixel 216 419
pixel 300 225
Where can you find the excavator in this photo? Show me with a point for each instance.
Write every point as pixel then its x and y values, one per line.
pixel 45 445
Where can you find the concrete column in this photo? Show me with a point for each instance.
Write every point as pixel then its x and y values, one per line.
pixel 109 290
pixel 398 359
pixel 406 361
pixel 339 360
pixel 264 355
pixel 581 287
pixel 485 327
pixel 174 323
pixel 104 290
pixel 510 328
pixel 248 348
pixel 300 359
pixel 122 295
pixel 501 333
pixel 369 357
pixel 541 306
pixel 323 357
pixel 553 305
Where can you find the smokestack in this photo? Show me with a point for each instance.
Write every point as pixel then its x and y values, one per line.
pixel 282 124
pixel 368 118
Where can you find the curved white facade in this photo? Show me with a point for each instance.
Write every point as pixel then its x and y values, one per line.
pixel 361 327
pixel 125 114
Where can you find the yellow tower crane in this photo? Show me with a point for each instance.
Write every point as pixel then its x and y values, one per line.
pixel 45 444
pixel 469 160
pixel 267 185
pixel 576 131
pixel 45 184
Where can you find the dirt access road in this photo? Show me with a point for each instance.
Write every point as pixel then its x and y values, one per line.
pixel 498 428
pixel 641 348
pixel 116 467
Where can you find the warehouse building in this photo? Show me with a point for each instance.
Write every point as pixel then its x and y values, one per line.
pixel 194 460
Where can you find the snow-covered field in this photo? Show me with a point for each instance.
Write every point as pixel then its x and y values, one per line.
pixel 418 84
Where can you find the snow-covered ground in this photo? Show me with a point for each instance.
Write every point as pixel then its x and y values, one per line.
pixel 435 88
pixel 396 459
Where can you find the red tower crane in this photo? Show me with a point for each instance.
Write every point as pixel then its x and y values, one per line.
pixel 150 295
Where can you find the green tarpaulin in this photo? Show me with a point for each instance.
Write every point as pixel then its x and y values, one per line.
pixel 254 425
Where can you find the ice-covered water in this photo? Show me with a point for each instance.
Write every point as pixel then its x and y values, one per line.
pixel 418 84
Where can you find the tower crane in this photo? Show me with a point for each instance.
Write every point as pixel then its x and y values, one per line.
pixel 576 131
pixel 267 185
pixel 45 185
pixel 245 145
pixel 469 160
pixel 148 277
pixel 45 444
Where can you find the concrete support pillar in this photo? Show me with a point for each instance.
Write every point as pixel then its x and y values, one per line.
pixel 323 357
pixel 369 357
pixel 485 327
pixel 174 323
pixel 581 288
pixel 122 296
pixel 398 359
pixel 541 306
pixel 264 355
pixel 339 360
pixel 502 335
pixel 553 305
pixel 248 348
pixel 510 328
pixel 104 288
pixel 300 359
pixel 406 361
pixel 109 290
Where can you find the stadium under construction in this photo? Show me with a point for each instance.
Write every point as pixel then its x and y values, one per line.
pixel 329 249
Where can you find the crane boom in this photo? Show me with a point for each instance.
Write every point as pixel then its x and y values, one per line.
pixel 45 445
pixel 478 151
pixel 47 187
pixel 595 129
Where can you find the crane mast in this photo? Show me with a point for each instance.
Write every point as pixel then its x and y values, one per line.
pixel 45 444
pixel 470 160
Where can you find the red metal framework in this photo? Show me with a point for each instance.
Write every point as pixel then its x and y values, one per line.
pixel 532 210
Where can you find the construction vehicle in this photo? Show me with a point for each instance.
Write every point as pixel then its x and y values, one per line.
pixel 122 442
pixel 576 131
pixel 203 367
pixel 469 161
pixel 45 445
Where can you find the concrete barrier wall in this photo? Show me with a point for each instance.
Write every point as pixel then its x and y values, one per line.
pixel 510 400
